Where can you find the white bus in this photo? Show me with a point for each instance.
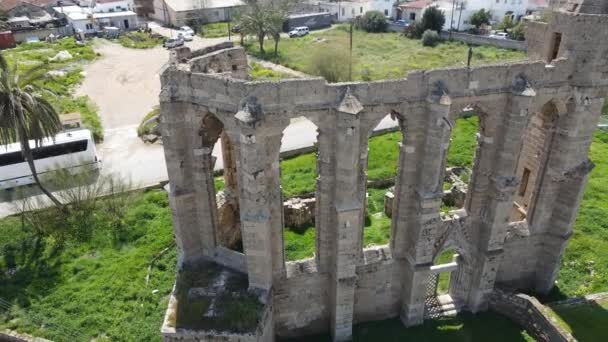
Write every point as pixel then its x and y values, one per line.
pixel 74 151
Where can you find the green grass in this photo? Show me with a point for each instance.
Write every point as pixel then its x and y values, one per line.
pixel 259 73
pixel 586 322
pixel 214 30
pixel 584 267
pixel 27 56
pixel 95 288
pixel 463 142
pixel 140 40
pixel 379 56
pixel 143 129
pixel 467 327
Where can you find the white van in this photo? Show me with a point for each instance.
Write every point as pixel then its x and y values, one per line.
pixel 73 151
pixel 299 31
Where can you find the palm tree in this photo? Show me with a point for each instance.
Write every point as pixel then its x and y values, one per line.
pixel 25 115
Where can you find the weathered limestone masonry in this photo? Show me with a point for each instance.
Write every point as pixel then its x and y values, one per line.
pixel 553 100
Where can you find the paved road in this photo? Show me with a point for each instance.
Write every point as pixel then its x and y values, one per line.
pixel 124 83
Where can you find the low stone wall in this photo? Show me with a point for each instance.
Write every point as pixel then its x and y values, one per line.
pixel 484 40
pixel 530 314
pixel 13 336
pixel 22 36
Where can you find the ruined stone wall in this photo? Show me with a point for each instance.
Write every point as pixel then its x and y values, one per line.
pixel 531 314
pixel 205 96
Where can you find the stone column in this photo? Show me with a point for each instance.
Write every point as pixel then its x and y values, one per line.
pixel 491 194
pixel 259 197
pixel 561 188
pixel 348 217
pixel 324 208
pixel 422 226
pixel 229 158
pixel 189 167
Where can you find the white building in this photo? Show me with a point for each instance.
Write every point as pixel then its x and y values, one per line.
pixel 91 20
pixel 348 10
pixel 182 12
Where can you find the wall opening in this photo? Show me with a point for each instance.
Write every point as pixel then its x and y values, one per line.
pixel 382 163
pixel 225 188
pixel 298 185
pixel 533 158
pixel 439 301
pixel 556 41
pixel 461 159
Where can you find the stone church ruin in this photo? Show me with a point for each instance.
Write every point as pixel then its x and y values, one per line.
pixel 536 118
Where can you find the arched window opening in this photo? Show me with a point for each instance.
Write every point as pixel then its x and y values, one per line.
pixel 532 160
pixel 225 187
pixel 460 160
pixel 298 185
pixel 382 164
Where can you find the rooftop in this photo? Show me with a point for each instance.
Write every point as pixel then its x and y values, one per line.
pixel 420 4
pixel 187 5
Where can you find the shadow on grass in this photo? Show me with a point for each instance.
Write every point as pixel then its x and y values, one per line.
pixel 37 268
pixel 587 321
pixel 465 327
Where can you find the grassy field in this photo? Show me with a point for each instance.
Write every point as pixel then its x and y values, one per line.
pixel 214 30
pixel 139 40
pixel 586 322
pixel 97 288
pixel 379 56
pixel 28 56
pixel 463 328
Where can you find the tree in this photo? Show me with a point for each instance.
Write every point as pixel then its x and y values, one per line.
pixel 276 18
pixel 433 19
pixel 25 115
pixel 481 17
pixel 505 24
pixel 372 21
pixel 262 20
pixel 254 21
pixel 518 32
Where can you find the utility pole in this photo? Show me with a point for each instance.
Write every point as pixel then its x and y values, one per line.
pixel 452 19
pixel 460 15
pixel 350 64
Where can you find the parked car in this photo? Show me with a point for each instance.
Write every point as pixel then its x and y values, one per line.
pixel 187 29
pixel 183 35
pixel 299 31
pixel 402 22
pixel 173 43
pixel 499 35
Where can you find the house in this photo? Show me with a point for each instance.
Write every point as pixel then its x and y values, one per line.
pixel 36 11
pixel 184 12
pixel 91 20
pixel 348 10
pixel 412 11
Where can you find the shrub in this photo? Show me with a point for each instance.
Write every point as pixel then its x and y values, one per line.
pixel 433 19
pixel 505 24
pixel 430 38
pixel 414 31
pixel 480 17
pixel 331 63
pixel 372 21
pixel 518 32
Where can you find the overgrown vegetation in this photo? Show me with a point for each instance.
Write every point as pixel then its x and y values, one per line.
pixel 372 21
pixel 140 40
pixel 147 125
pixel 91 288
pixel 64 75
pixel 257 72
pixel 378 56
pixel 430 38
pixel 214 30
